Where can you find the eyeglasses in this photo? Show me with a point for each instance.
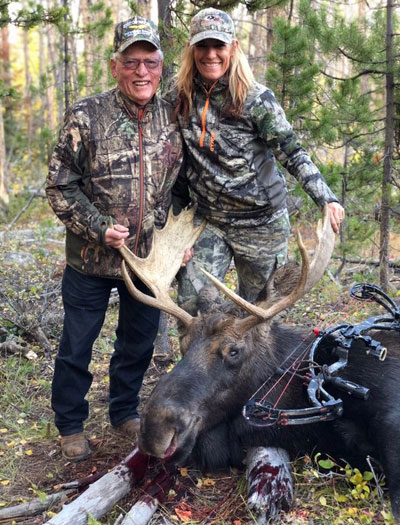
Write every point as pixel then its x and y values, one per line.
pixel 134 63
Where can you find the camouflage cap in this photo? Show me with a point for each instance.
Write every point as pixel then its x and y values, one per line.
pixel 134 30
pixel 211 23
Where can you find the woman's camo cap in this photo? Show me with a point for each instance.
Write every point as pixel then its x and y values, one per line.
pixel 211 23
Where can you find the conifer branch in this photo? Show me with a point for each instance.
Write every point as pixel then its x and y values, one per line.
pixel 353 59
pixel 362 73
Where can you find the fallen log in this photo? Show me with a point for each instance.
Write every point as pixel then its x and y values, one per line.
pixel 394 263
pixel 81 482
pixel 102 495
pixel 144 509
pixel 141 512
pixel 33 507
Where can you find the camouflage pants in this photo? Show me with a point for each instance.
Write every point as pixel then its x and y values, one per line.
pixel 256 252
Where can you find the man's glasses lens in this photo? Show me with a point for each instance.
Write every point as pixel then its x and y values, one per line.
pixel 134 63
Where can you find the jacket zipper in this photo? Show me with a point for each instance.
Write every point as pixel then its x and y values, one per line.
pixel 141 179
pixel 204 114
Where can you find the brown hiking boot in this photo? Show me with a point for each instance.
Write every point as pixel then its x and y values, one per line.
pixel 129 428
pixel 75 447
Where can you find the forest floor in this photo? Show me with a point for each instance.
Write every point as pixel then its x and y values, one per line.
pixel 31 464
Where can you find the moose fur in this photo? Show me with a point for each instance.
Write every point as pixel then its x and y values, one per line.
pixel 194 415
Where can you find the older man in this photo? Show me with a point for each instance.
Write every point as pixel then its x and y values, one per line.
pixel 109 182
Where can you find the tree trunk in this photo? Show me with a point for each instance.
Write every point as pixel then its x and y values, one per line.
pixel 388 156
pixel 53 43
pixel 49 97
pixel 144 8
pixel 164 16
pixel 5 78
pixel 343 199
pixel 4 198
pixel 44 115
pixel 272 12
pixel 28 99
pixel 67 83
pixel 88 44
pixel 73 68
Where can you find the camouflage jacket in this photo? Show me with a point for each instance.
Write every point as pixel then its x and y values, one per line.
pixel 114 163
pixel 234 175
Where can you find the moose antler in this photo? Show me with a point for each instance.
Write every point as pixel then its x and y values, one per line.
pixel 310 275
pixel 159 268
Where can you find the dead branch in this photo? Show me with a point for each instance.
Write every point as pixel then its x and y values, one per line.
pixel 36 506
pixel 368 262
pixel 141 512
pixel 144 509
pixel 102 495
pixel 15 219
pixel 81 482
pixel 11 347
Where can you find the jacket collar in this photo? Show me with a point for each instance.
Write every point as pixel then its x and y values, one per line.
pixel 131 107
pixel 221 84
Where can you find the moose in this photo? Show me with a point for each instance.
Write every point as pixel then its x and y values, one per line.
pixel 231 350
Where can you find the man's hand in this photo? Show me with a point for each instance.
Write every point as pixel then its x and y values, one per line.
pixel 336 215
pixel 189 252
pixel 115 237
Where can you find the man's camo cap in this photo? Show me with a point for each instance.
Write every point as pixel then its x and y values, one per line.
pixel 211 23
pixel 134 30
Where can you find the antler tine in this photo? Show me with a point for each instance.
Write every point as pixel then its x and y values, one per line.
pixel 159 268
pixel 164 303
pixel 310 274
pixel 323 250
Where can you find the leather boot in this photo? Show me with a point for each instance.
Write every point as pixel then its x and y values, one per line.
pixel 75 447
pixel 129 428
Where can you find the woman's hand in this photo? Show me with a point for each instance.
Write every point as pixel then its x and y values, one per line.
pixel 189 252
pixel 336 215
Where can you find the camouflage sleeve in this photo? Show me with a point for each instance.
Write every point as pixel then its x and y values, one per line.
pixel 274 128
pixel 69 178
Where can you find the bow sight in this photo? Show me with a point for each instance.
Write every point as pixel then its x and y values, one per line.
pixel 324 407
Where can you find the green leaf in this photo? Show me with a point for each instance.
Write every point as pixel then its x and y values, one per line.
pixel 356 479
pixel 368 475
pixel 326 463
pixel 42 496
pixel 322 500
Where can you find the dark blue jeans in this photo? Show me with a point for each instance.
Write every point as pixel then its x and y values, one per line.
pixel 85 299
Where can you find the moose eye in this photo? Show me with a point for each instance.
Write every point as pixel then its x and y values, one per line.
pixel 233 352
pixel 233 356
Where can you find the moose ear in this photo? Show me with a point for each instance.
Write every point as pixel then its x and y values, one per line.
pixel 281 283
pixel 209 299
pixel 285 278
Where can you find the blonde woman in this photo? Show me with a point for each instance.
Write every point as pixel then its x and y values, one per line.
pixel 235 131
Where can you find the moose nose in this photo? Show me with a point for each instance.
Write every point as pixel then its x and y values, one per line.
pixel 166 428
